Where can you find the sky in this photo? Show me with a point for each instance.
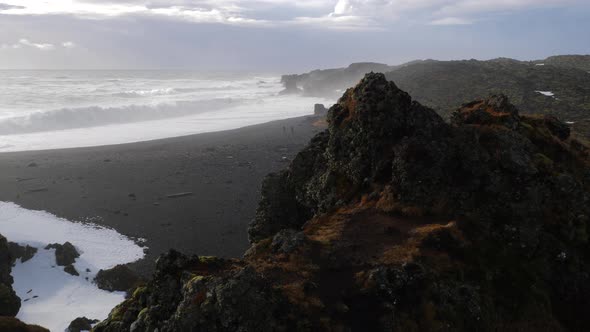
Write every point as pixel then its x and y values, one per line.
pixel 282 35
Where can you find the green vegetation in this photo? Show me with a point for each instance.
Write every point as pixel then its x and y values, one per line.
pixel 447 85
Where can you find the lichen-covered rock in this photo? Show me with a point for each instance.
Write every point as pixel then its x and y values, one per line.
pixel 65 254
pixel 393 220
pixel 118 279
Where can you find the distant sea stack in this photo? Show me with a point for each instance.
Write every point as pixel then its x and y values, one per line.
pixel 290 84
pixel 320 110
pixel 395 220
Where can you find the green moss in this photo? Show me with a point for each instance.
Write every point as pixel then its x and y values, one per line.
pixel 208 260
pixel 196 279
pixel 117 313
pixel 142 314
pixel 139 291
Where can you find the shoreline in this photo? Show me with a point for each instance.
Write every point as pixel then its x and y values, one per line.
pixel 194 193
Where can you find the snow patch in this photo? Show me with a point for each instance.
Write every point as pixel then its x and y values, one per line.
pixel 51 297
pixel 540 64
pixel 546 93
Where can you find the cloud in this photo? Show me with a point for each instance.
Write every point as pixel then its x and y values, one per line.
pixel 4 6
pixel 26 43
pixel 344 14
pixel 451 21
pixel 43 46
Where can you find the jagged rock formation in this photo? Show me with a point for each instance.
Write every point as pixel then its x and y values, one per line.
pixel 9 301
pixel 320 110
pixel 118 279
pixel 395 220
pixel 290 85
pixel 328 81
pixel 24 253
pixel 65 255
pixel 81 324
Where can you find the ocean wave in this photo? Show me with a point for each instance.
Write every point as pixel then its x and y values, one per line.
pixel 172 91
pixel 94 116
pixel 145 93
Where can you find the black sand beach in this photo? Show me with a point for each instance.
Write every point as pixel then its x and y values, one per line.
pixel 142 189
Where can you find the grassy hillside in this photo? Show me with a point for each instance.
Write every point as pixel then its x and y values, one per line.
pixel 446 85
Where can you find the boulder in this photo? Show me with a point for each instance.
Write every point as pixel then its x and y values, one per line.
pixel 24 253
pixel 118 279
pixel 81 324
pixel 70 269
pixel 65 254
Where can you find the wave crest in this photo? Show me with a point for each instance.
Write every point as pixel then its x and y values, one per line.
pixel 94 116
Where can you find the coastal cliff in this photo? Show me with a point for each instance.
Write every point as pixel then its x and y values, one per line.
pixel 393 219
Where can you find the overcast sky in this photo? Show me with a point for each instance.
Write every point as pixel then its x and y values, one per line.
pixel 283 35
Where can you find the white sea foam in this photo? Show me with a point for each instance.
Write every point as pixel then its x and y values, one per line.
pixel 63 109
pixel 53 297
pixel 270 109
pixel 546 93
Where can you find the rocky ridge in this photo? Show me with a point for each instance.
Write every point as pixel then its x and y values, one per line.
pixel 393 219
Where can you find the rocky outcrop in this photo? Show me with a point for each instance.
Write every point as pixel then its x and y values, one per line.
pixel 118 279
pixel 320 110
pixel 81 324
pixel 9 301
pixel 65 254
pixel 290 84
pixel 24 253
pixel 395 220
pixel 11 324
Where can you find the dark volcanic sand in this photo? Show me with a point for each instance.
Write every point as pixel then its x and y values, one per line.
pixel 126 186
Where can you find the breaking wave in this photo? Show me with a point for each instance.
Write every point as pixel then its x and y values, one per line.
pixel 94 116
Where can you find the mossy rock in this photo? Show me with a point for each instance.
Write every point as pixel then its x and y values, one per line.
pixel 9 301
pixel 10 324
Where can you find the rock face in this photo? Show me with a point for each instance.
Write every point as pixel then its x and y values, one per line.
pixel 9 301
pixel 10 324
pixel 118 279
pixel 24 253
pixel 65 254
pixel 395 220
pixel 320 110
pixel 81 324
pixel 290 84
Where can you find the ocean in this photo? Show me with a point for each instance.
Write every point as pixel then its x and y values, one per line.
pixel 48 109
